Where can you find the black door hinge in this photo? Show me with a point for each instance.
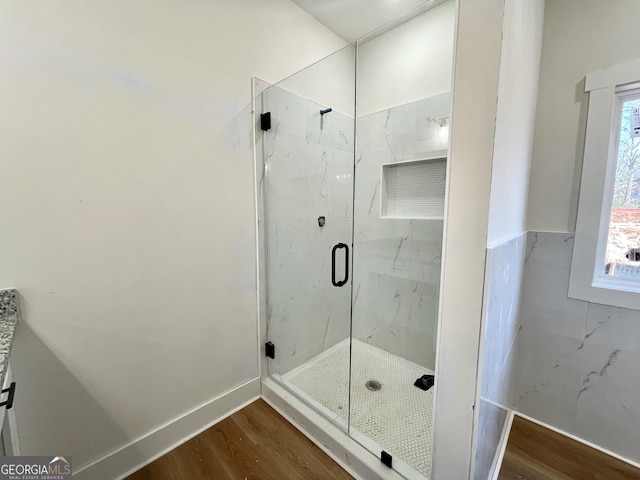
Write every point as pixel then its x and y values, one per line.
pixel 386 458
pixel 11 390
pixel 270 350
pixel 265 121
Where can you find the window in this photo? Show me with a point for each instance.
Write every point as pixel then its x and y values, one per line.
pixel 605 267
pixel 619 254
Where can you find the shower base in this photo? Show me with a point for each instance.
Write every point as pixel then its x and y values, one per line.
pixel 397 417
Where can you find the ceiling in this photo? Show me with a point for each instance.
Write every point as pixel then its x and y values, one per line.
pixel 352 19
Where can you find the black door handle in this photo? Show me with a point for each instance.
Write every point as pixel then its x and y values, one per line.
pixel 333 265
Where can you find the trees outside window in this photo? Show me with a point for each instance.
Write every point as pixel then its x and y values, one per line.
pixel 623 242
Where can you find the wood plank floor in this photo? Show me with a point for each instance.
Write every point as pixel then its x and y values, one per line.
pixel 537 453
pixel 255 443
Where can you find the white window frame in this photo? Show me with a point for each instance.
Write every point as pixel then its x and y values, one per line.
pixel 587 280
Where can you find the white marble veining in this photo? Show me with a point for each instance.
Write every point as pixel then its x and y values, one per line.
pixel 397 261
pixel 577 361
pixel 503 282
pixel 308 173
pixel 545 304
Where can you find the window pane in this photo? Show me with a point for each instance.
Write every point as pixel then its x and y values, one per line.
pixel 623 243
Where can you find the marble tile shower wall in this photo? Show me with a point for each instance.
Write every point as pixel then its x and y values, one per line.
pixel 397 261
pixel 578 362
pixel 308 173
pixel 503 282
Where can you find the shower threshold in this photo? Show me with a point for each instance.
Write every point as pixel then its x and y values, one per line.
pixel 387 411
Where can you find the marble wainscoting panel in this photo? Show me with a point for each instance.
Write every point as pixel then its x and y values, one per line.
pixel 503 282
pixel 504 277
pixel 492 419
pixel 610 376
pixel 545 305
pixel 608 402
pixel 577 361
pixel 308 174
pixel 553 327
pixel 548 373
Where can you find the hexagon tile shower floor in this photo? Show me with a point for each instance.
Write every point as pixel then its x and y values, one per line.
pixel 397 416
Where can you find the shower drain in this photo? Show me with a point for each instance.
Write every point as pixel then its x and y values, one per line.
pixel 373 385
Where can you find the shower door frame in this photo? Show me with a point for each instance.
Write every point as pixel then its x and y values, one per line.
pixel 343 448
pixel 331 438
pixel 348 450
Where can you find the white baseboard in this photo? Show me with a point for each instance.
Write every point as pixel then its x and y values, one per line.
pixel 130 458
pixel 580 440
pixel 504 439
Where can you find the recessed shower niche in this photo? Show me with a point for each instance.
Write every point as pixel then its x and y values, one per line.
pixel 352 301
pixel 414 189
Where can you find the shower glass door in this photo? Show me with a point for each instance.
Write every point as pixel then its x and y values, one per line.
pixel 307 189
pixel 403 106
pixel 353 184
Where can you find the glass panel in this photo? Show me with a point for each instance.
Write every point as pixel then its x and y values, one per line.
pixel 308 194
pixel 622 258
pixel 403 105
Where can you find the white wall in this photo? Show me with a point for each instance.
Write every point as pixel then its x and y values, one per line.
pixel 519 72
pixel 580 36
pixel 515 118
pixel 129 215
pixel 477 65
pixel 416 55
pixel 328 82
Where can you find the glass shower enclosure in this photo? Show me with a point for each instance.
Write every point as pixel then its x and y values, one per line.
pixel 351 177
